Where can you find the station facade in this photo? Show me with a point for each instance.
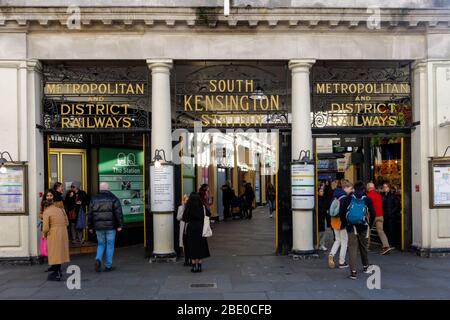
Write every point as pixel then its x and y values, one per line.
pixel 98 93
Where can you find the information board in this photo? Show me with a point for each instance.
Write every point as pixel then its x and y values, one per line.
pixel 303 186
pixel 161 188
pixel 440 183
pixel 123 170
pixel 12 190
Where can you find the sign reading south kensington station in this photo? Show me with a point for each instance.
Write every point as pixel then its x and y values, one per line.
pixel 230 103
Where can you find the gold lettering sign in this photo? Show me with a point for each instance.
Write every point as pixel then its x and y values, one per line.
pixel 358 104
pixel 95 113
pixel 231 103
pixel 95 88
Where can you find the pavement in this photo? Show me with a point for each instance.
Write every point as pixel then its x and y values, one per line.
pixel 234 274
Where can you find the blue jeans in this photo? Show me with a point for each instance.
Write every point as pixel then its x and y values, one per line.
pixel 271 206
pixel 106 239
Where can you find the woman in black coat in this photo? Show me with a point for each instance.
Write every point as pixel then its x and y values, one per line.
pixel 193 216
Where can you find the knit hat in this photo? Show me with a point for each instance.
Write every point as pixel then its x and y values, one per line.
pixel 76 184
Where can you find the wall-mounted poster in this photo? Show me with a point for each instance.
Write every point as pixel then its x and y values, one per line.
pixel 123 169
pixel 440 184
pixel 13 190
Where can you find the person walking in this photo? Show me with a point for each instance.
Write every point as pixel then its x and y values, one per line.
pixel 76 200
pixel 193 216
pixel 182 232
pixel 340 233
pixel 357 215
pixel 249 196
pixel 54 229
pixel 227 198
pixel 377 201
pixel 391 211
pixel 323 206
pixel 270 197
pixel 105 217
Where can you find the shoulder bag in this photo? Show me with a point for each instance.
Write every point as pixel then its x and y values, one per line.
pixel 207 232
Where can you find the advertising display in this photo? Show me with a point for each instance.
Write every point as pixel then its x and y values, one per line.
pixel 123 169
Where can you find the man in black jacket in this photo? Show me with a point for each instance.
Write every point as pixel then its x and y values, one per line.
pixel 105 217
pixel 357 233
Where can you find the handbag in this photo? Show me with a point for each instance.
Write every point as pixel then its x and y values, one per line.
pixel 81 220
pixel 72 214
pixel 43 247
pixel 207 232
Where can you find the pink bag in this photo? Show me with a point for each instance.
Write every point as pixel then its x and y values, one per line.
pixel 43 247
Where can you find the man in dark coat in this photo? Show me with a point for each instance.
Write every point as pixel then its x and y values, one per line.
pixel 227 197
pixel 249 195
pixel 105 217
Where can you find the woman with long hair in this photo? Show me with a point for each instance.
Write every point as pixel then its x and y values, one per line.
pixel 58 195
pixel 193 216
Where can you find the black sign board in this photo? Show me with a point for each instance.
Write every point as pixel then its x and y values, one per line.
pixel 351 142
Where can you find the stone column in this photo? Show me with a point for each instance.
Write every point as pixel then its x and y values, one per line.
pixel 419 164
pixel 35 138
pixel 163 227
pixel 302 220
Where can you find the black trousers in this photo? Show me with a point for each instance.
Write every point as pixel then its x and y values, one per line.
pixel 226 211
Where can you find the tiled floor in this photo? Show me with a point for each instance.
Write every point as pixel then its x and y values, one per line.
pixel 242 267
pixel 244 237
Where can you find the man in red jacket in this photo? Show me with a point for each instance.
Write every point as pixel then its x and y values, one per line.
pixel 377 201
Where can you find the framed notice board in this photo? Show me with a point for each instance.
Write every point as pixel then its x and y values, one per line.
pixel 302 186
pixel 439 172
pixel 13 190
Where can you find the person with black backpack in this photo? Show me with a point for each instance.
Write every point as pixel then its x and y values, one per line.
pixel 357 215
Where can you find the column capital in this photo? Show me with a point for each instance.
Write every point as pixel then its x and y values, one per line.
pixel 301 65
pixel 420 65
pixel 160 65
pixel 34 65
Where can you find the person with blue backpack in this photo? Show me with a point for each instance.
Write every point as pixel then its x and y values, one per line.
pixel 343 189
pixel 357 215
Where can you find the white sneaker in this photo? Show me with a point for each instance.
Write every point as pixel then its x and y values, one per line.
pixel 323 248
pixel 271 216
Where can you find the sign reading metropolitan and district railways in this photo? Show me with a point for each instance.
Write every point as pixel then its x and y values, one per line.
pixel 12 190
pixel 303 186
pixel 162 189
pixel 441 185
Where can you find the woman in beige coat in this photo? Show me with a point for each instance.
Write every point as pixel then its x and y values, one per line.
pixel 55 231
